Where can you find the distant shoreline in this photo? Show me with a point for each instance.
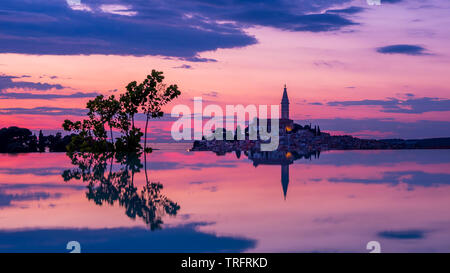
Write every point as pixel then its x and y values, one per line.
pixel 324 151
pixel 15 140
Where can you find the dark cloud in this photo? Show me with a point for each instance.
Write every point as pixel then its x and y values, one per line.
pixel 156 27
pixel 328 63
pixel 171 165
pixel 27 186
pixel 7 82
pixel 197 59
pixel 34 171
pixel 393 128
pixel 210 189
pixel 179 239
pixel 6 200
pixel 201 182
pixel 48 111
pixel 391 1
pixel 21 95
pixel 293 22
pixel 411 178
pixel 53 77
pixel 51 27
pixel 412 105
pixel 10 82
pixel 59 111
pixel 349 10
pixel 403 234
pixel 380 158
pixel 414 50
pixel 184 66
pixel 213 94
pixel 315 179
pixel 327 220
pixel 209 101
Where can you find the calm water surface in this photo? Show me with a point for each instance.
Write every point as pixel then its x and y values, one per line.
pixel 335 203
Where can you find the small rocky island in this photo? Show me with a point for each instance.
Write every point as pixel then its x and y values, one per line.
pixel 307 140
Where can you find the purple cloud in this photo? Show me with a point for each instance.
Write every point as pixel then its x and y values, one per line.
pixel 49 111
pixel 391 127
pixel 413 50
pixel 7 82
pixel 154 27
pixel 184 66
pixel 21 96
pixel 412 105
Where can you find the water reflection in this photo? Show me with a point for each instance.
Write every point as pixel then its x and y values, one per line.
pixel 282 158
pixel 115 184
pixel 336 203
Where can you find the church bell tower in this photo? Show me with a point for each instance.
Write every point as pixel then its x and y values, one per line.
pixel 285 105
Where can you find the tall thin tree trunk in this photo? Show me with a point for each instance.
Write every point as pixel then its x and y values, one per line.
pixel 112 139
pixel 145 167
pixel 110 166
pixel 145 136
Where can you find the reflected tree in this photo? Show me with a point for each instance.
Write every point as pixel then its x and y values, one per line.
pixel 110 180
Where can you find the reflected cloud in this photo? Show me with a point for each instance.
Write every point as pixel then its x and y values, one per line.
pixel 403 234
pixel 170 165
pixel 185 239
pixel 34 171
pixel 30 192
pixel 380 158
pixel 6 199
pixel 327 220
pixel 210 189
pixel 411 178
pixel 338 225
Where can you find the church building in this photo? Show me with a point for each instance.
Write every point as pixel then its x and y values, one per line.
pixel 286 124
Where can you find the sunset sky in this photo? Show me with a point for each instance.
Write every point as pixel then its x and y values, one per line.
pixel 371 71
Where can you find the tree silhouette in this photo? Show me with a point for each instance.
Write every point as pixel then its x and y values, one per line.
pixel 104 110
pixel 109 187
pixel 148 96
pixel 41 142
pixel 157 95
pixel 17 140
